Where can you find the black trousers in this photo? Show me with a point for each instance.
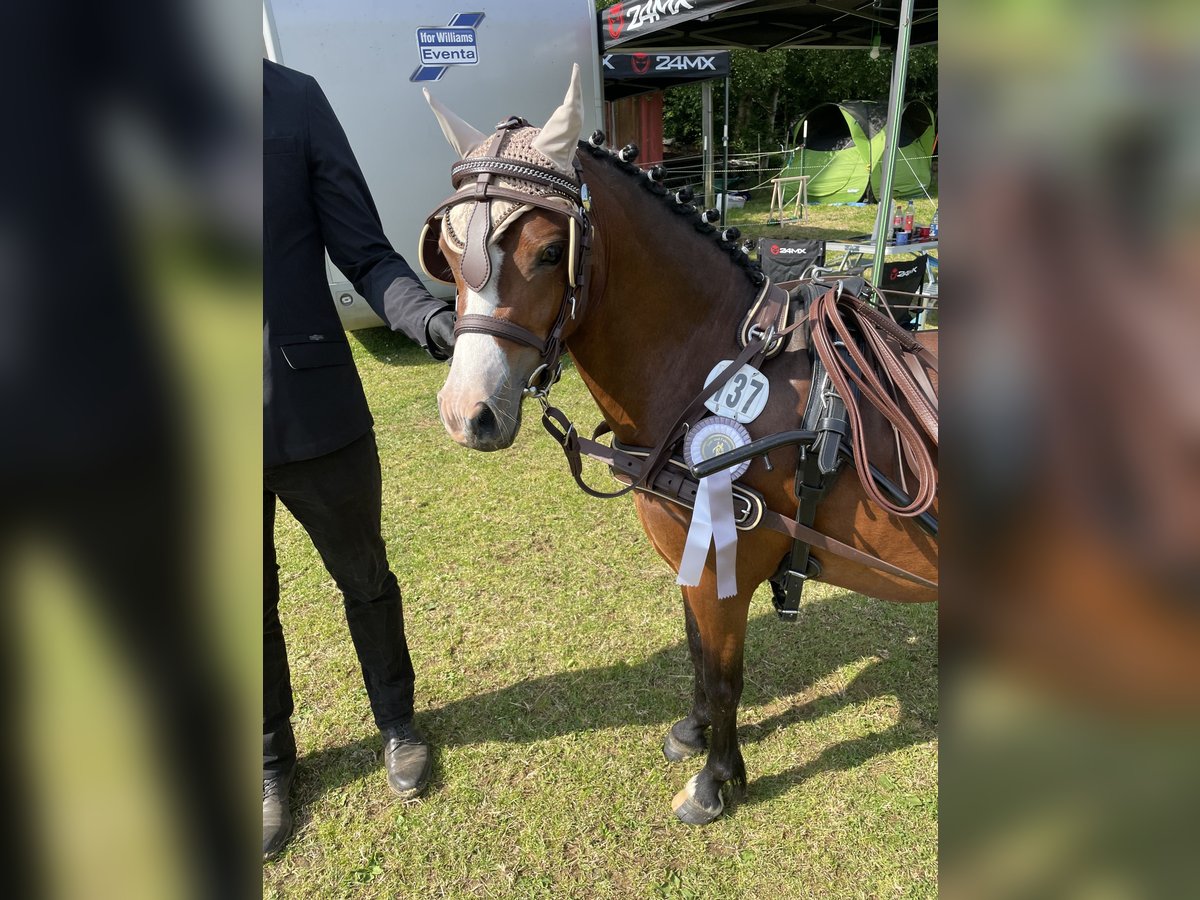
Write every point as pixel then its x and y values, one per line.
pixel 338 499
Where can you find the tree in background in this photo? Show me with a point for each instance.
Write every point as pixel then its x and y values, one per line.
pixel 770 91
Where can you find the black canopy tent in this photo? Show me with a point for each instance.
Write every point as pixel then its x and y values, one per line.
pixel 779 24
pixel 762 24
pixel 629 74
pixel 636 73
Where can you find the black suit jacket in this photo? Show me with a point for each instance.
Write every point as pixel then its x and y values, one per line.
pixel 315 197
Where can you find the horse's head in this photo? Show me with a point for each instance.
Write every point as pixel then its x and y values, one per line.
pixel 512 239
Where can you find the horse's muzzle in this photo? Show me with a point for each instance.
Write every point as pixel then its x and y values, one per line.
pixel 481 427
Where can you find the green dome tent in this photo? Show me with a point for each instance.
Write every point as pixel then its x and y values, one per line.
pixel 843 154
pixel 844 145
pixel 914 152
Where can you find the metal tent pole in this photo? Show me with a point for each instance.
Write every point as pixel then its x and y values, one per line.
pixel 899 70
pixel 804 184
pixel 725 204
pixel 706 125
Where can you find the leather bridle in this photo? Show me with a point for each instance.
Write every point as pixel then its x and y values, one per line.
pixel 474 180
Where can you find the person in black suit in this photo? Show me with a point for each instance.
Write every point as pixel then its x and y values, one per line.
pixel 319 452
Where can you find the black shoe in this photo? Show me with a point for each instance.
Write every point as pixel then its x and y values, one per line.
pixel 277 812
pixel 407 759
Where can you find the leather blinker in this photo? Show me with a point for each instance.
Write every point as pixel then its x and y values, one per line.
pixel 476 264
pixel 429 252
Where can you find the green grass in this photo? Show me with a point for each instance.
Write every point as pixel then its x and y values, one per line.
pixel 548 642
pixel 833 223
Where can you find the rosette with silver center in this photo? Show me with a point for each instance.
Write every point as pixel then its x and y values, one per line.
pixel 712 517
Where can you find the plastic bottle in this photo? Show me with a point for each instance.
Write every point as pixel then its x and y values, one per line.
pixel 933 226
pixel 897 220
pixel 908 217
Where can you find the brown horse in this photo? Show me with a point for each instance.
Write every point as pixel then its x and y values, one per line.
pixel 663 304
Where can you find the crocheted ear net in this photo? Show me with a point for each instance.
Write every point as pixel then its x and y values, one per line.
pixel 517 145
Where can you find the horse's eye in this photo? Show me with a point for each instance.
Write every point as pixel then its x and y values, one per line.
pixel 551 255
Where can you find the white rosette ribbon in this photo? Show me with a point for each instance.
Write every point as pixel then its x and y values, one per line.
pixel 712 517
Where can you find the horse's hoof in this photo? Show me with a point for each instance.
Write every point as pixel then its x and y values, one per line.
pixel 676 750
pixel 691 811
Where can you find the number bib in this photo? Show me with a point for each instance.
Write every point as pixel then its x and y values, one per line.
pixel 743 397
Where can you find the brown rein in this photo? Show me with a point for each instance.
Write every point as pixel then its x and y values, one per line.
pixel 829 334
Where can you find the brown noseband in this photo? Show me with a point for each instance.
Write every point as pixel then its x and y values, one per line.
pixel 473 182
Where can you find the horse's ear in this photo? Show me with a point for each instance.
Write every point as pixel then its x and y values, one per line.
pixel 462 137
pixel 561 133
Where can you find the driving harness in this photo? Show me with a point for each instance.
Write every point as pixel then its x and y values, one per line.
pixel 841 369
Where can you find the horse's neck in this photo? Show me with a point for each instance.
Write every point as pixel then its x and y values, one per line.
pixel 667 307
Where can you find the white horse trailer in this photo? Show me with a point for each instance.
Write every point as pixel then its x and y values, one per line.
pixel 486 60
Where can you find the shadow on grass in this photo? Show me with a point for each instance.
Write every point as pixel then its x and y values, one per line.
pixel 781 660
pixel 913 687
pixel 392 348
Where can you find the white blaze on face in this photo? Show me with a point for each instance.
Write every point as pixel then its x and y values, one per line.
pixel 480 371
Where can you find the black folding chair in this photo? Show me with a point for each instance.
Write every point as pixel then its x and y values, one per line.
pixel 784 260
pixel 902 284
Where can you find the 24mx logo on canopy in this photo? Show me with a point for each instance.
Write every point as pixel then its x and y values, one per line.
pixel 637 15
pixel 682 62
pixel 676 63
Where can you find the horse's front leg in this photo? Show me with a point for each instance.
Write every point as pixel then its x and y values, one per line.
pixel 686 737
pixel 721 626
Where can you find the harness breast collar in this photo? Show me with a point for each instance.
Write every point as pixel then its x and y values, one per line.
pixel 475 182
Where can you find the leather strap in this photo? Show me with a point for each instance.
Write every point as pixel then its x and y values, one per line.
pixel 684 491
pixel 472 323
pixel 825 416
pixel 575 448
pixel 695 410
pixel 849 367
pixel 562 430
pixel 497 192
pixel 514 170
pixel 777 522
pixel 769 309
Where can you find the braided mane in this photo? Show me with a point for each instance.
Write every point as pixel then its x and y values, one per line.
pixel 687 211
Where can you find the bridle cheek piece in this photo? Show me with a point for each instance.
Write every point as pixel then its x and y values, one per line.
pixel 473 180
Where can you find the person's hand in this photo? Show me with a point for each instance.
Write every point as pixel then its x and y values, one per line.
pixel 441 333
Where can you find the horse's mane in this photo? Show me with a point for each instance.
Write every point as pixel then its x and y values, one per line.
pixel 687 211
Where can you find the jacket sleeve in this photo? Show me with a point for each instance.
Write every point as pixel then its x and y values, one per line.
pixel 352 231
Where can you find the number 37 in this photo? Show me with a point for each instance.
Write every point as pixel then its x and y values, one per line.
pixel 738 386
